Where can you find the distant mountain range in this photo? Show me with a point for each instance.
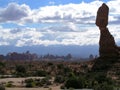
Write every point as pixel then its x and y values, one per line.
pixel 75 50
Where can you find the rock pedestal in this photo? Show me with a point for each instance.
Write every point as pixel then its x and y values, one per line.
pixel 109 61
pixel 107 46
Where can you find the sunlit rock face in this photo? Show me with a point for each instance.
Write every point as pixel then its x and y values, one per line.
pixel 107 46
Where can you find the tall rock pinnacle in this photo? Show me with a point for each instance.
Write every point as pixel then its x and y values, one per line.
pixel 107 46
pixel 109 61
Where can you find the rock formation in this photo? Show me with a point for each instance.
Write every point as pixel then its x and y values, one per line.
pixel 102 16
pixel 107 46
pixel 109 61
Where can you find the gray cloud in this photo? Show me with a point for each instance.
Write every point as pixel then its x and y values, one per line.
pixel 13 12
pixel 83 13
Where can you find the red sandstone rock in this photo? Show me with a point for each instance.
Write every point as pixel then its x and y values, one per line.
pixel 107 46
pixel 102 16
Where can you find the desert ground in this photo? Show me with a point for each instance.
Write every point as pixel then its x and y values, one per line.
pixel 50 88
pixel 17 82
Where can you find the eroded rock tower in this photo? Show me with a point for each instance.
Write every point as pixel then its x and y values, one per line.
pixel 107 46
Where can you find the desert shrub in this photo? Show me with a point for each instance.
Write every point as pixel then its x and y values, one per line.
pixel 20 71
pixel 9 85
pixel 2 87
pixel 75 82
pixel 71 74
pixel 39 84
pixel 30 83
pixel 67 70
pixel 49 64
pixel 41 73
pixel 44 80
pixel 103 86
pixel 100 78
pixel 60 66
pixel 2 64
pixel 59 79
pixel 118 73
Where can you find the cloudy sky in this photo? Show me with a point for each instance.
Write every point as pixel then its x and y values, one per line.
pixel 54 22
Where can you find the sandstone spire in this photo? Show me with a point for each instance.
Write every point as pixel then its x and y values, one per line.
pixel 107 46
pixel 109 61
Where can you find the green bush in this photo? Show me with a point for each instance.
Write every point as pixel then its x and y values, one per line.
pixel 60 66
pixel 41 73
pixel 9 85
pixel 59 79
pixel 104 86
pixel 20 71
pixel 30 83
pixel 44 80
pixel 75 82
pixel 103 79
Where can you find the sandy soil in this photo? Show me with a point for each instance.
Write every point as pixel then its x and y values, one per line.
pixel 16 81
pixel 26 89
pixel 52 88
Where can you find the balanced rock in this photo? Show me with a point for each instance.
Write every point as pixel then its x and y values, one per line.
pixel 107 46
pixel 102 16
pixel 109 61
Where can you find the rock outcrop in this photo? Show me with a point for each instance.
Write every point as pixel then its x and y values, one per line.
pixel 107 46
pixel 109 61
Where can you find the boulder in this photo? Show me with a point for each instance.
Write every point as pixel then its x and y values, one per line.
pixel 102 16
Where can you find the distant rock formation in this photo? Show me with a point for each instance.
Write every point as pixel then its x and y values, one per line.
pixel 107 46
